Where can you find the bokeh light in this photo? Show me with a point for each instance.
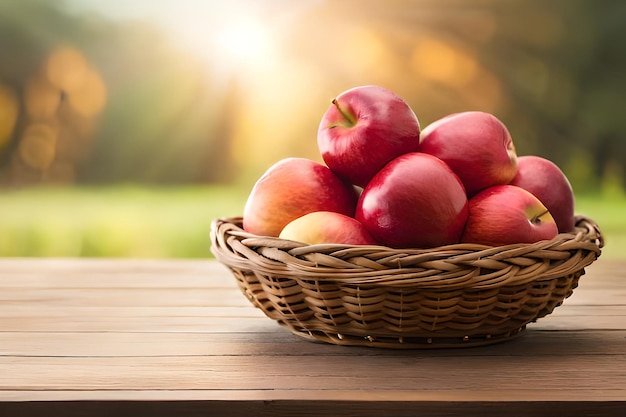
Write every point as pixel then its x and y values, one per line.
pixel 66 68
pixel 104 94
pixel 38 146
pixel 90 96
pixel 63 99
pixel 441 62
pixel 9 108
pixel 217 91
pixel 41 98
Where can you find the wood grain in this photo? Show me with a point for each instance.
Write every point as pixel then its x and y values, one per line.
pixel 144 337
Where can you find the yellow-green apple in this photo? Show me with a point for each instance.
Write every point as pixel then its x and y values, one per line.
pixel 291 188
pixel 476 145
pixel 364 128
pixel 414 201
pixel 327 227
pixel 550 185
pixel 507 214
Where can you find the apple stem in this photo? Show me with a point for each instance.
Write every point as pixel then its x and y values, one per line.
pixel 350 118
pixel 537 219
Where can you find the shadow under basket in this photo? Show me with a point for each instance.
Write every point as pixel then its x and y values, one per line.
pixel 451 296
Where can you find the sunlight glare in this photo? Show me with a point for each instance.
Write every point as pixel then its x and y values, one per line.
pixel 244 42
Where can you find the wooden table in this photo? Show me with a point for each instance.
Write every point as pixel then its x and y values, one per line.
pixel 177 338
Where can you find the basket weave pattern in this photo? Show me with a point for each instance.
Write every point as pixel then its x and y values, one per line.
pixel 455 295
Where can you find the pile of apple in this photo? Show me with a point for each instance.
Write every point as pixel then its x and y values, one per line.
pixel 385 182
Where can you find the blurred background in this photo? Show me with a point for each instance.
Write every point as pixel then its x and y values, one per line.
pixel 126 127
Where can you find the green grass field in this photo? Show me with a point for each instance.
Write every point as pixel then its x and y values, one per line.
pixel 170 222
pixel 609 211
pixel 113 222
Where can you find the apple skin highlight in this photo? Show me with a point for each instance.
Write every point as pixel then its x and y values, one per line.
pixel 291 188
pixel 386 181
pixel 363 129
pixel 327 227
pixel 507 214
pixel 545 180
pixel 415 201
pixel 476 145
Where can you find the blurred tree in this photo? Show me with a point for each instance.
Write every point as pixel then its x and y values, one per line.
pixel 552 71
pixel 112 102
pixel 602 84
pixel 160 124
pixel 21 50
pixel 563 76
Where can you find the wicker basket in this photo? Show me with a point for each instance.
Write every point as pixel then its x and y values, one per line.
pixel 456 295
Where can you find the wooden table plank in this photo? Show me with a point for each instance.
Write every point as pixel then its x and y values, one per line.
pixel 254 321
pixel 279 342
pixel 179 338
pixel 319 372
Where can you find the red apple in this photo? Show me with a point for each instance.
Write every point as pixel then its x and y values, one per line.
pixel 414 201
pixel 506 214
pixel 327 227
pixel 476 145
pixel 363 129
pixel 291 188
pixel 548 183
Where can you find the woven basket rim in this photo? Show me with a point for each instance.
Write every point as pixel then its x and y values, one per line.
pixel 585 229
pixel 452 296
pixel 452 266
